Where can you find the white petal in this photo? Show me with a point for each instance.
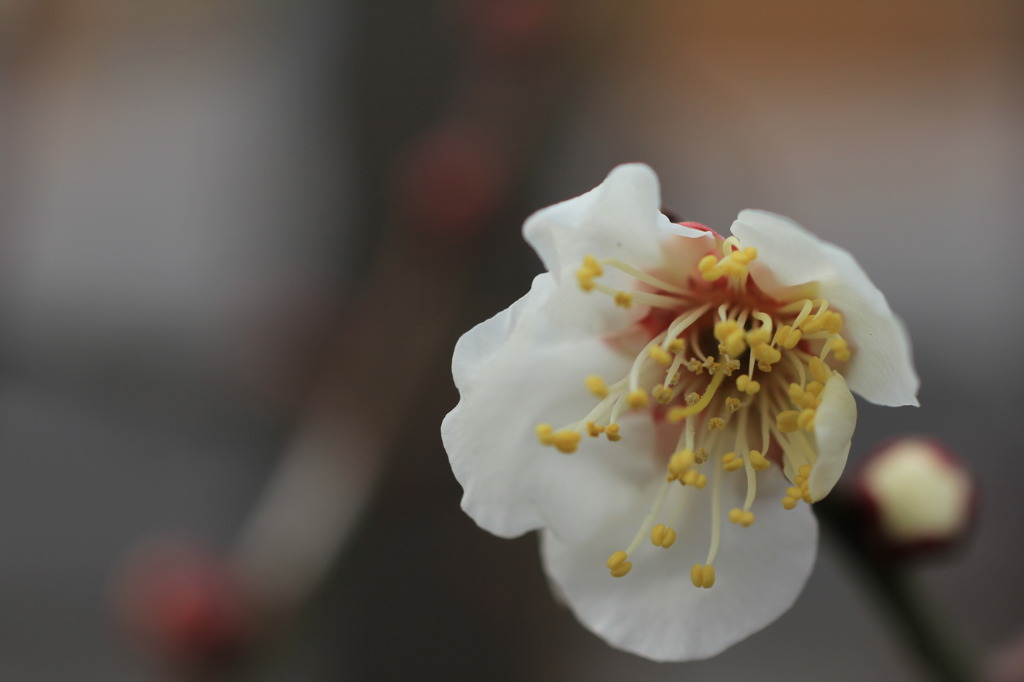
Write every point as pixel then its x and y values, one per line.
pixel 882 369
pixel 513 372
pixel 655 611
pixel 833 429
pixel 620 218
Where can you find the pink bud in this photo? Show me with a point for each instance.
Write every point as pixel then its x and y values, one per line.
pixel 917 496
pixel 452 181
pixel 184 604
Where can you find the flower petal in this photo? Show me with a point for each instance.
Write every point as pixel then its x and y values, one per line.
pixel 882 369
pixel 655 611
pixel 514 371
pixel 620 218
pixel 834 424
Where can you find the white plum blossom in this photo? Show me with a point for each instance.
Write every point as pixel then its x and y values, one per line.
pixel 658 380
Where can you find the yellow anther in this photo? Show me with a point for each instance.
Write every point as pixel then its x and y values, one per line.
pixel 808 401
pixel 593 430
pixel 622 569
pixel 545 434
pixel 566 441
pixel 794 491
pixel 697 480
pixel 664 396
pixel 734 344
pixel 819 370
pixel 733 404
pixel 611 432
pixel 596 385
pixel 813 324
pixel 731 267
pixel 676 346
pixel 804 470
pixel 787 421
pixel 618 564
pixel 792 339
pixel 585 278
pixel 781 334
pixel 731 462
pixel 697 575
pixel 695 366
pixel 789 502
pixel 747 385
pixel 765 353
pixel 707 262
pixel 659 355
pixel 702 575
pixel 638 399
pixel 833 322
pixel 692 397
pixel 747 519
pixel 815 387
pixel 796 392
pixel 623 299
pixel 806 419
pixel 679 463
pixel 724 328
pixel 840 349
pixel 735 515
pixel 758 461
pixel 759 336
pixel 701 456
pixel 663 536
pixel 744 256
pixel 716 423
pixel 590 263
pixel 617 559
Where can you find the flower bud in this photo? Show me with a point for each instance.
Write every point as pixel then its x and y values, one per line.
pixel 917 496
pixel 184 604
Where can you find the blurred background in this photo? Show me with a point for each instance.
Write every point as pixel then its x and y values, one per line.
pixel 238 241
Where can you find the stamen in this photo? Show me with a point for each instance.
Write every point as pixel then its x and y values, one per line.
pixel 663 536
pixel 546 434
pixel 638 399
pixel 566 441
pixel 643 276
pixel 659 355
pixel 840 349
pixel 648 520
pixel 618 565
pixel 596 385
pixel 819 370
pixel 704 576
pixel 683 322
pixel 677 414
pixel 748 465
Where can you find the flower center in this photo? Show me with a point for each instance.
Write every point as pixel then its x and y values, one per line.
pixel 740 373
